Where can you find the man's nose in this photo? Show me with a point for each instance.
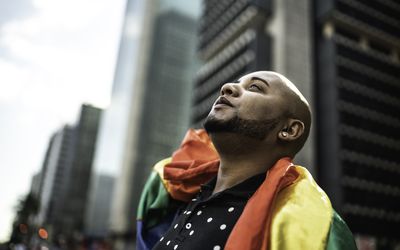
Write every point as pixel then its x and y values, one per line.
pixel 230 89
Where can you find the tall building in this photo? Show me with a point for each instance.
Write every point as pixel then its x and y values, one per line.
pixel 166 106
pixel 43 170
pixel 72 211
pixel 160 120
pixel 98 207
pixel 35 184
pixel 150 104
pixel 54 175
pixel 114 132
pixel 65 176
pixel 357 94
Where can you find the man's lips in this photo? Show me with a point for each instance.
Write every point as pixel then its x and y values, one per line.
pixel 224 101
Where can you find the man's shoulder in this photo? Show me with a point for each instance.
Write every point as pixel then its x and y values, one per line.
pixel 340 236
pixel 304 214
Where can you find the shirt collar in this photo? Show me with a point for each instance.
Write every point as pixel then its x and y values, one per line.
pixel 245 188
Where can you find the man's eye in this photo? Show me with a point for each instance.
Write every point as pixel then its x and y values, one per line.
pixel 254 87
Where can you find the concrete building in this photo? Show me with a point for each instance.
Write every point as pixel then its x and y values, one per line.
pixel 166 106
pixel 65 176
pixel 158 118
pixel 357 94
pixel 54 176
pixel 150 104
pixel 114 132
pixel 97 221
pixel 35 184
pixel 72 211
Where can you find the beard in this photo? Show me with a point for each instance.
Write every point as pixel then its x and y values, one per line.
pixel 250 128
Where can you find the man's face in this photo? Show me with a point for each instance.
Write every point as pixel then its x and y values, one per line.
pixel 251 106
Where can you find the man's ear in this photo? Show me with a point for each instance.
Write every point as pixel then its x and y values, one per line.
pixel 292 130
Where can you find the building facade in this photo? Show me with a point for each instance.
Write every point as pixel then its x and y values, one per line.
pixel 357 94
pixel 158 118
pixel 150 105
pixel 65 177
pixel 70 223
pixel 98 207
pixel 166 104
pixel 54 176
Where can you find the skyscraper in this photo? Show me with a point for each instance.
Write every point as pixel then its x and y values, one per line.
pixel 150 104
pixel 162 118
pixel 112 154
pixel 65 176
pixel 166 104
pixel 54 175
pixel 72 210
pixel 166 107
pixel 358 88
pixel 98 207
pixel 35 184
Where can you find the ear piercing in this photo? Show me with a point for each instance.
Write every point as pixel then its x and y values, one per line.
pixel 284 134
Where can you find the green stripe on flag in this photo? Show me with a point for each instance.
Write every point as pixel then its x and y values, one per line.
pixel 340 236
pixel 154 202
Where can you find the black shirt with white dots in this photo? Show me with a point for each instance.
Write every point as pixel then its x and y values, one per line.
pixel 206 222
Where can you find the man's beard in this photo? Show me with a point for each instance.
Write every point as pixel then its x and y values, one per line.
pixel 250 128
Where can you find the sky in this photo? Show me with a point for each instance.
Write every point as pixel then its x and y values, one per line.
pixel 54 56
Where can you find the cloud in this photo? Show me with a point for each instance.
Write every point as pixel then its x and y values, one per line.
pixel 54 55
pixel 12 82
pixel 51 48
pixel 15 9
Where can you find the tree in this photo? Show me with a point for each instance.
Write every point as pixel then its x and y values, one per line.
pixel 26 208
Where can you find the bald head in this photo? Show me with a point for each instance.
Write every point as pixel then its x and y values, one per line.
pixel 263 104
pixel 298 107
pixel 293 105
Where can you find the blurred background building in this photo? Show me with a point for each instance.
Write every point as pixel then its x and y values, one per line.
pixel 62 185
pixel 55 175
pixel 149 111
pixel 357 93
pixel 344 56
pixel 99 202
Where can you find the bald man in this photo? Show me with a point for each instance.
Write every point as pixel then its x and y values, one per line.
pixel 257 120
pixel 258 199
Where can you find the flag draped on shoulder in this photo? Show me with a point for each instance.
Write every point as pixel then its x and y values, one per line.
pixel 172 182
pixel 288 211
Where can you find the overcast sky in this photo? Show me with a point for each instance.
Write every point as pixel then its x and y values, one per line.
pixel 54 56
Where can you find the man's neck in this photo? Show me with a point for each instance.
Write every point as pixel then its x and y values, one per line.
pixel 240 159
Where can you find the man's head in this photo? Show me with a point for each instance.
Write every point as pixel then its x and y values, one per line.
pixel 263 105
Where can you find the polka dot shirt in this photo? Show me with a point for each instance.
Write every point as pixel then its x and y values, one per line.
pixel 206 222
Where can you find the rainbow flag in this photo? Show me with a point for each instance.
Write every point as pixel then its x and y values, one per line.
pixel 173 182
pixel 293 212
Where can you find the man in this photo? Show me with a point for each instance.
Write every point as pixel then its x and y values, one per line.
pixel 258 198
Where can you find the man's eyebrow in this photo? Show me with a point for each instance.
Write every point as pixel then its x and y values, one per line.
pixel 260 79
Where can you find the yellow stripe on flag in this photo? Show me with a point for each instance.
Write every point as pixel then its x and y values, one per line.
pixel 302 215
pixel 159 168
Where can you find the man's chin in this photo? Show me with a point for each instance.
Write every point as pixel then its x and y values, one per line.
pixel 249 128
pixel 212 125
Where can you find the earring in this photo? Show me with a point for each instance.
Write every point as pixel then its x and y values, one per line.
pixel 284 134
